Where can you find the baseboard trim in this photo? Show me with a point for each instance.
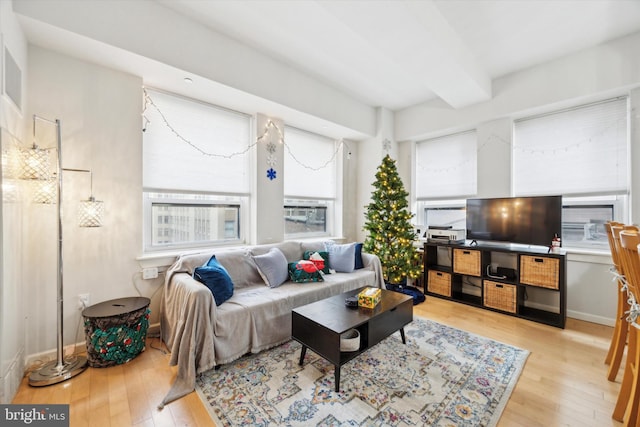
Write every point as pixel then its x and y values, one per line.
pixel 37 359
pixel 601 320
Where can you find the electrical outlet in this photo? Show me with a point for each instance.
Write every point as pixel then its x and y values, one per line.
pixel 150 273
pixel 83 301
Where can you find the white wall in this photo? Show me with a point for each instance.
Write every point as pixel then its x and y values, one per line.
pixel 269 222
pixel 101 131
pixel 12 331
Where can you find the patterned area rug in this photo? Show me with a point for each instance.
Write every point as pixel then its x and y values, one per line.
pixel 442 377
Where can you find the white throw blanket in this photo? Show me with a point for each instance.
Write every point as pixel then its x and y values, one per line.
pixel 188 314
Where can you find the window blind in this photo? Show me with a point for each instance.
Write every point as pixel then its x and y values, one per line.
pixel 309 165
pixel 207 159
pixel 446 167
pixel 579 151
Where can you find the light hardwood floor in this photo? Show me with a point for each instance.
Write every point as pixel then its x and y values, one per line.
pixel 563 383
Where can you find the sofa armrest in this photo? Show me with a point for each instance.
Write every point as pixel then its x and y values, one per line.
pixel 372 262
pixel 187 316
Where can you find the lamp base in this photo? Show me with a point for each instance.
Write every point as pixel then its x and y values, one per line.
pixel 53 373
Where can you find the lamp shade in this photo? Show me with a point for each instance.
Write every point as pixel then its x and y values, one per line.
pixel 35 164
pixel 90 213
pixel 45 191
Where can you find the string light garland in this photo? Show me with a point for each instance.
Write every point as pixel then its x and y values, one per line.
pixel 149 102
pixel 491 139
pixel 271 146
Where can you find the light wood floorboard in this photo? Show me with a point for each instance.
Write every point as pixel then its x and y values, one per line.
pixel 563 383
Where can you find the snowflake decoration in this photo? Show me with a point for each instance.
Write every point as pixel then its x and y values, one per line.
pixel 271 160
pixel 271 174
pixel 271 147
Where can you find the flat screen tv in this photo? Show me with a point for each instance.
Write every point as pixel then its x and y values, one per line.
pixel 525 220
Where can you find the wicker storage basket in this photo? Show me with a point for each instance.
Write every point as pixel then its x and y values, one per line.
pixel 500 296
pixel 540 271
pixel 467 262
pixel 350 340
pixel 439 283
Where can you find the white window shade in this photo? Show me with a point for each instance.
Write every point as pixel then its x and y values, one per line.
pixel 309 165
pixel 446 167
pixel 579 151
pixel 194 146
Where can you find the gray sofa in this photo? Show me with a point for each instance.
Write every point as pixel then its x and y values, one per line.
pixel 201 335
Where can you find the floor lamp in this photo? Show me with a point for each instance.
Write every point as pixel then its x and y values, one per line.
pixel 36 166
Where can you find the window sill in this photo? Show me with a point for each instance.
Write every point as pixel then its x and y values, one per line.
pixel 166 258
pixel 594 256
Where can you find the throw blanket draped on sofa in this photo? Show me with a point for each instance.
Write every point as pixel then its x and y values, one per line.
pixel 201 335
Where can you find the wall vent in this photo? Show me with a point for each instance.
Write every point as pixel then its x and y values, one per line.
pixel 12 79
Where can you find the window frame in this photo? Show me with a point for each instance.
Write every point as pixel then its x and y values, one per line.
pixel 187 199
pixel 424 205
pixel 200 196
pixel 330 211
pixel 620 209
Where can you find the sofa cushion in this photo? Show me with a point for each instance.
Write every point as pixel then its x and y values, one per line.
pixel 313 245
pixel 291 249
pixel 241 267
pixel 341 257
pixel 304 271
pixel 214 276
pixel 273 267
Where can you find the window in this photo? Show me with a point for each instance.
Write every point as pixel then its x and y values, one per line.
pixel 454 217
pixel 446 167
pixel 196 173
pixel 311 183
pixel 583 219
pixel 191 219
pixel 582 154
pixel 446 172
pixel 299 219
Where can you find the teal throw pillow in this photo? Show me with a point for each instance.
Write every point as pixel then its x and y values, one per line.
pixel 322 266
pixel 304 271
pixel 215 277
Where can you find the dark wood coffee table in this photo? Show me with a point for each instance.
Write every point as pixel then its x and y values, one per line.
pixel 318 325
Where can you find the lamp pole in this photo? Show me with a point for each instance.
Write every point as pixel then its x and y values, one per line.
pixel 62 368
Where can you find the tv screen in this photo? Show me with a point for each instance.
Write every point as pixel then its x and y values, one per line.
pixel 526 220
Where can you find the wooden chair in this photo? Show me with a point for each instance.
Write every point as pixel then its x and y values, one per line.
pixel 619 338
pixel 626 409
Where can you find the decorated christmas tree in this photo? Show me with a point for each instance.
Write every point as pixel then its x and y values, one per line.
pixel 390 234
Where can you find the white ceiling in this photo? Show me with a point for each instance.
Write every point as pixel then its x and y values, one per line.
pixel 399 53
pixel 379 53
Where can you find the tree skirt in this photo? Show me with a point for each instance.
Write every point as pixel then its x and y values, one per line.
pixel 442 377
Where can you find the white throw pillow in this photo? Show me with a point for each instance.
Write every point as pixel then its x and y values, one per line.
pixel 341 257
pixel 273 267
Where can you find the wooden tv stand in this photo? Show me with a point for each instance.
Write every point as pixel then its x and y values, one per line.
pixel 530 284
